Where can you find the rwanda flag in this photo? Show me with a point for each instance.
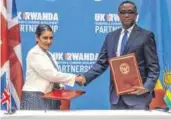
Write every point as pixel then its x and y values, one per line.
pixel 167 97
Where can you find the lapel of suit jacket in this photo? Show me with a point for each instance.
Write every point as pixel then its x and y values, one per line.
pixel 131 39
pixel 39 51
pixel 116 40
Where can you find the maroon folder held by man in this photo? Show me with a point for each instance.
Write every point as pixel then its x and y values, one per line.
pixel 125 73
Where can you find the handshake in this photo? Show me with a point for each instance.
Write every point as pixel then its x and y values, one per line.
pixel 80 80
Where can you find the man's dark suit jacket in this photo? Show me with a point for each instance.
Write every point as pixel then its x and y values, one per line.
pixel 142 43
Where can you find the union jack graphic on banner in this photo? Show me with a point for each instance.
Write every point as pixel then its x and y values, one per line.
pixel 11 62
pixel 6 96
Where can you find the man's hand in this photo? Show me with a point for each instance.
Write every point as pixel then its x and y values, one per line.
pixel 80 80
pixel 139 90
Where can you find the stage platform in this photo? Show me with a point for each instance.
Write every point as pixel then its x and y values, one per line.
pixel 88 114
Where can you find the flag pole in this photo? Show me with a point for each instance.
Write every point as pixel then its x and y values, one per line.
pixel 9 91
pixel 9 104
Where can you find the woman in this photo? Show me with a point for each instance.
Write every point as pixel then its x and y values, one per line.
pixel 42 73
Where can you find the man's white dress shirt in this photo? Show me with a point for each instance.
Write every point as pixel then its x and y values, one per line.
pixel 118 53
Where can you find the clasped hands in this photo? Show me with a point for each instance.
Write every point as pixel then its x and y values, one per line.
pixel 80 80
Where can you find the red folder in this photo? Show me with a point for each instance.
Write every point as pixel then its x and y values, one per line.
pixel 63 94
pixel 125 73
pixel 65 97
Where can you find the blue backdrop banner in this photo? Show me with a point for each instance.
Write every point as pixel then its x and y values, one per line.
pixel 80 27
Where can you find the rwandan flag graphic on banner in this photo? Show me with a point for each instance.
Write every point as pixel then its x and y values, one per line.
pixel 157 20
pixel 165 54
pixel 166 41
pixel 167 97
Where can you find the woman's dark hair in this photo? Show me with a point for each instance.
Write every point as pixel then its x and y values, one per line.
pixel 41 28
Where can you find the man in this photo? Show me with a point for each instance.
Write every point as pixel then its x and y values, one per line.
pixel 139 41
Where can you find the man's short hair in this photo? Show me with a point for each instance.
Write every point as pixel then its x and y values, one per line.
pixel 129 2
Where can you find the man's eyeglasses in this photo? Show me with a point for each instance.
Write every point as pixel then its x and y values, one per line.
pixel 127 12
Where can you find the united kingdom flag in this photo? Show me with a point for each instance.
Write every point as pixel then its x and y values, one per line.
pixel 11 62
